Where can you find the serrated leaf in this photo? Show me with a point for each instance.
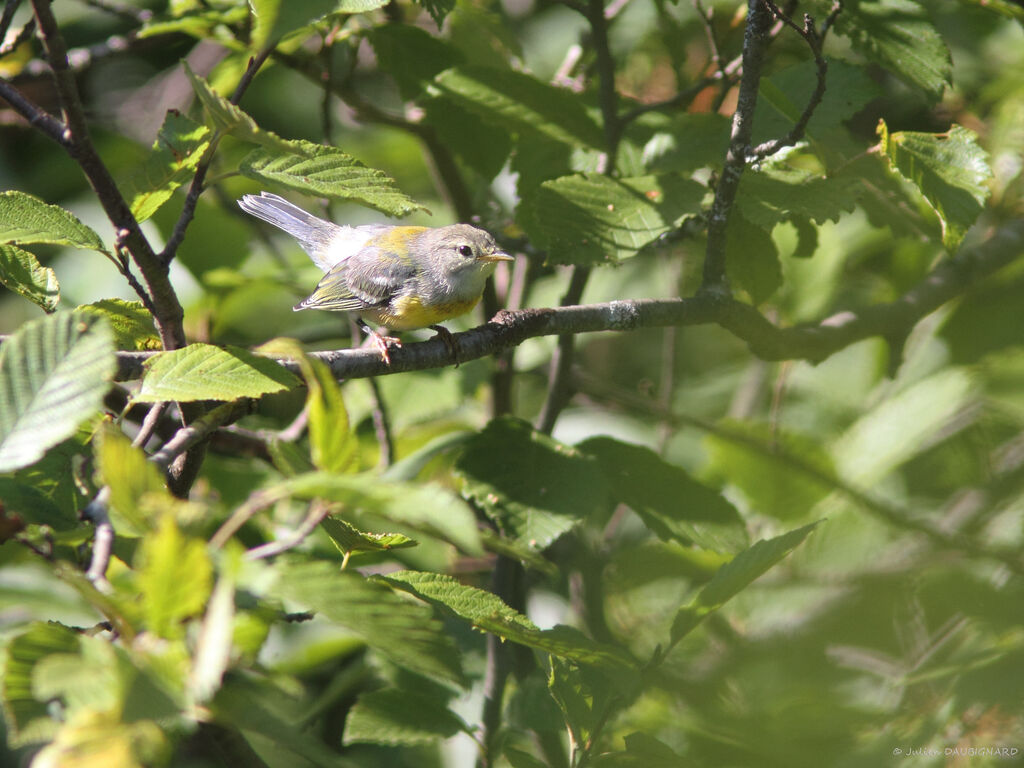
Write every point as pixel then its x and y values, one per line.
pixel 519 103
pixel 225 117
pixel 405 632
pixel 26 219
pixel 54 373
pixel 767 198
pixel 590 218
pixel 174 577
pixel 534 487
pixel 131 478
pixel 349 539
pixel 759 460
pixel 322 171
pixel 898 35
pixel 180 145
pixel 486 611
pixel 22 273
pixel 130 320
pixel 400 718
pixel 28 719
pixel 735 576
pixel 752 260
pixel 950 170
pixel 669 501
pixel 206 372
pixel 426 509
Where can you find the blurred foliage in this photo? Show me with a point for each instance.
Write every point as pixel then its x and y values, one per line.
pixel 330 590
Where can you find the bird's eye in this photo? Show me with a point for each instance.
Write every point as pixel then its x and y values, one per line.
pixel 465 250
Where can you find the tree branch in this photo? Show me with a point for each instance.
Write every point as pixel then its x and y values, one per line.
pixel 810 341
pixel 755 43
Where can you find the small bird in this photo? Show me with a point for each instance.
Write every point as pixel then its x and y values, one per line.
pixel 398 277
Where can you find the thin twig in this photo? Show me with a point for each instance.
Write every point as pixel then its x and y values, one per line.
pixel 10 8
pixel 561 361
pixel 122 10
pixel 188 210
pixel 257 501
pixel 103 539
pixel 814 41
pixel 198 430
pixel 382 426
pixel 318 510
pixel 149 424
pixel 755 43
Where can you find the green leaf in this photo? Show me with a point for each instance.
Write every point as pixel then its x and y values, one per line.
pixel 400 718
pixel 590 218
pixel 898 35
pixel 690 141
pixel 438 9
pixel 669 501
pixel 202 25
pixel 225 117
pixel 22 273
pixel 734 577
pixel 427 509
pixel 322 171
pixel 642 751
pixel 54 373
pixel 519 103
pixel 349 539
pixel 131 479
pixel 752 260
pixel 32 505
pixel 534 487
pixel 206 372
pixel 26 219
pixel 28 719
pixel 180 145
pixel 130 320
pixel 486 611
pixel 175 577
pixel 764 464
pixel 411 55
pixel 405 632
pixel 277 18
pixel 950 169
pixel 767 198
pixel 461 129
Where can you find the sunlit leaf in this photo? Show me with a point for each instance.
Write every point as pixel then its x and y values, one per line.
pixel 175 575
pixel 180 145
pixel 349 539
pixel 950 170
pixel 488 612
pixel 131 478
pixel 54 373
pixel 277 18
pixel 130 320
pixel 206 372
pixel 228 118
pixel 22 273
pixel 26 219
pixel 400 717
pixel 322 171
pixel 590 218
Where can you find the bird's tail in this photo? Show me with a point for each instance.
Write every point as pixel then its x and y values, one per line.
pixel 313 233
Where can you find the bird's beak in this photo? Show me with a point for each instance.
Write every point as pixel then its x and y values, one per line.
pixel 496 256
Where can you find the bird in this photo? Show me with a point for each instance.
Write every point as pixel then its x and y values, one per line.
pixel 399 277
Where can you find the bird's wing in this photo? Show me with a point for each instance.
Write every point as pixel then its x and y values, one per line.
pixel 366 279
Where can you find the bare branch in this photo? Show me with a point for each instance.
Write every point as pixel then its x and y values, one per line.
pixel 198 430
pixel 318 510
pixel 755 44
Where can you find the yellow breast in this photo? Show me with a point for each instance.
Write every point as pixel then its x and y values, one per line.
pixel 407 313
